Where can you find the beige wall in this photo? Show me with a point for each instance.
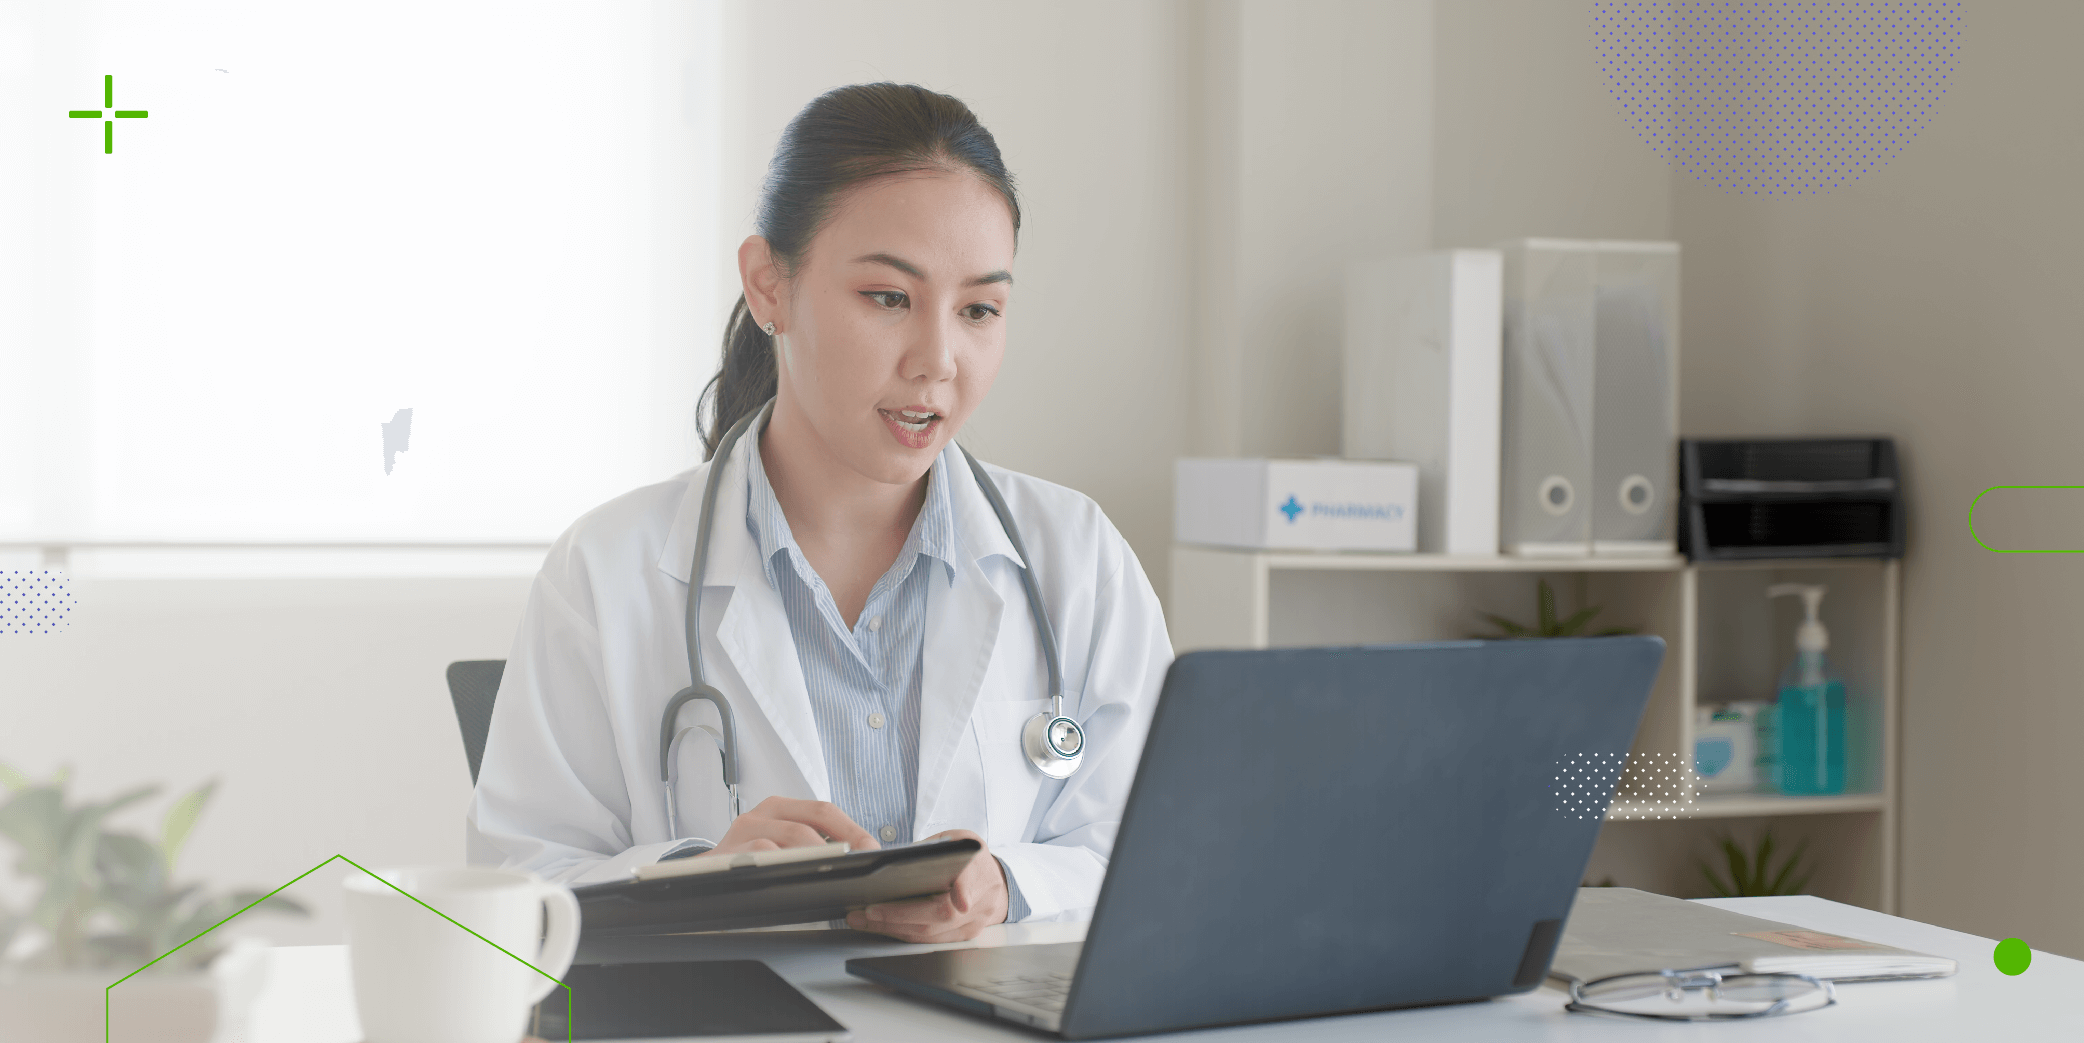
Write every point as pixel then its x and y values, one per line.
pixel 1527 143
pixel 1935 299
pixel 1315 134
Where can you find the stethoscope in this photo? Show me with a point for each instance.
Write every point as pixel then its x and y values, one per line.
pixel 1053 742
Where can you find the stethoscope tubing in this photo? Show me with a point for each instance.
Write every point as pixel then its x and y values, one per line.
pixel 699 687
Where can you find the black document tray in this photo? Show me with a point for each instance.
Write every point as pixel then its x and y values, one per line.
pixel 766 896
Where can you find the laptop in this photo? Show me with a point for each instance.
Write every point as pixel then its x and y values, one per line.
pixel 1331 830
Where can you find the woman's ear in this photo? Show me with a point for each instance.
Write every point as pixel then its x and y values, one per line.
pixel 761 280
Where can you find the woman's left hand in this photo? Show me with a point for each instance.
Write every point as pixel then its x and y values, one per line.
pixel 977 901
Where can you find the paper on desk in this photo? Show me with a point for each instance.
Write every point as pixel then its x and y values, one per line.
pixel 701 864
pixel 1619 930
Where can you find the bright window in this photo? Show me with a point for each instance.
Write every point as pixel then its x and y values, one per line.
pixel 498 216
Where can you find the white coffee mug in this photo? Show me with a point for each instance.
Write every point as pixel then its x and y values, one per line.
pixel 421 979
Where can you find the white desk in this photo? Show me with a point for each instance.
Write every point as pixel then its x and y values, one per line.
pixel 308 999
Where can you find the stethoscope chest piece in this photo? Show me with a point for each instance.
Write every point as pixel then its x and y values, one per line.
pixel 1054 743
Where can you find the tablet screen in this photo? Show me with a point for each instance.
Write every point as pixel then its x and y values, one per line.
pixel 697 999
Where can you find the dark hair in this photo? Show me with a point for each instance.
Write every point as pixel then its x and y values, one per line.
pixel 847 137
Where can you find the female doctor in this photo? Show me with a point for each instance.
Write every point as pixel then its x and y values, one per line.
pixel 866 611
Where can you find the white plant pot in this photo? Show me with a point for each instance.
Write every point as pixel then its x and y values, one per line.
pixel 207 1006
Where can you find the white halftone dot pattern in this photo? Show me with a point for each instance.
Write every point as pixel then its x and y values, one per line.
pixel 35 601
pixel 1657 785
pixel 1777 97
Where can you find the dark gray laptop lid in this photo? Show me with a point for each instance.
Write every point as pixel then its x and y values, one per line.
pixel 1322 830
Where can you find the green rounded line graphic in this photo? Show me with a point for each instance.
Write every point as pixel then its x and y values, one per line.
pixel 105 993
pixel 2015 550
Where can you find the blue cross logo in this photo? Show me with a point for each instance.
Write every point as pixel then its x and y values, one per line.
pixel 1291 508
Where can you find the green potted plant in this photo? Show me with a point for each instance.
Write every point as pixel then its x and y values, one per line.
pixel 105 905
pixel 1750 873
pixel 1546 622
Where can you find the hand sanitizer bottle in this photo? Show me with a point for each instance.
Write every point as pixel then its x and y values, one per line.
pixel 1808 734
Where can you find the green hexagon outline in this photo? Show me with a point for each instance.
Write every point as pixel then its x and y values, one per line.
pixel 105 993
pixel 2018 550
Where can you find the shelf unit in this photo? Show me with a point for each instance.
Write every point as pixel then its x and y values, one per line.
pixel 1724 640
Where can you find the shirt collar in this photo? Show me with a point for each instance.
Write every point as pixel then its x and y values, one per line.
pixel 933 532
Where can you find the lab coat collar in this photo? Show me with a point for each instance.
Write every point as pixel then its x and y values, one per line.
pixel 977 526
pixel 962 631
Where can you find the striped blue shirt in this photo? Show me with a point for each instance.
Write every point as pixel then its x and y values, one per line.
pixel 864 680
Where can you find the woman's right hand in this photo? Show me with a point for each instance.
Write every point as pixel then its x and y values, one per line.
pixel 787 822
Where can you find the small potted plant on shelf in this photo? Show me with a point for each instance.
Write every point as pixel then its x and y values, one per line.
pixel 1750 873
pixel 1546 622
pixel 105 905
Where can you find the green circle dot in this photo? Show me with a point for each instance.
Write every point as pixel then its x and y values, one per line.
pixel 2012 956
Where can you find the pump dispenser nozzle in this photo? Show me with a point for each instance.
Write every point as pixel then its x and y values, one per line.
pixel 1809 714
pixel 1811 636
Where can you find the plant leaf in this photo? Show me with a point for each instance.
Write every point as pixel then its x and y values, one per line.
pixel 281 904
pixel 1788 868
pixel 1615 631
pixel 1737 876
pixel 1762 858
pixel 1544 608
pixel 12 779
pixel 129 865
pixel 34 819
pixel 80 836
pixel 1715 883
pixel 1578 619
pixel 1505 626
pixel 180 820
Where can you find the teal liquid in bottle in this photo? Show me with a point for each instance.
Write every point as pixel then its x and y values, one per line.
pixel 1808 722
pixel 1809 726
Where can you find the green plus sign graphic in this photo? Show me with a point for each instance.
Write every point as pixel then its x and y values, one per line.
pixel 108 105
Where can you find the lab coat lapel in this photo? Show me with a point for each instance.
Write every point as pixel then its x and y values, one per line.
pixel 962 629
pixel 754 633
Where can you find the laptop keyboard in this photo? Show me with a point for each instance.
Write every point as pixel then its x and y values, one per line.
pixel 1042 990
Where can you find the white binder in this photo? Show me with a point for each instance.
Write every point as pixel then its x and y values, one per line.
pixel 1589 461
pixel 1422 385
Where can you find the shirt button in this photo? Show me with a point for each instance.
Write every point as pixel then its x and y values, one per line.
pixel 875 720
pixel 888 833
pixel 875 623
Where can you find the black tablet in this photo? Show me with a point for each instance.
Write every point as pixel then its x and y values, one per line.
pixel 739 1001
pixel 765 896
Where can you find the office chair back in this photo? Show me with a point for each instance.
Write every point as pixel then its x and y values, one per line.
pixel 473 684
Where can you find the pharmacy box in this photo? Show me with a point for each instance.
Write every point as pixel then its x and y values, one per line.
pixel 1296 504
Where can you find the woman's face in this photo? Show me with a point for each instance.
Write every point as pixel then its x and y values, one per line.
pixel 894 324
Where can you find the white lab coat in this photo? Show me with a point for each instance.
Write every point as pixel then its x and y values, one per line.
pixel 569 785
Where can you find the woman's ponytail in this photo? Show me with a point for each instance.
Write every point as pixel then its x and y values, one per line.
pixel 744 381
pixel 844 138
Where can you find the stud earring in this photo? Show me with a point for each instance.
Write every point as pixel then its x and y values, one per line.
pixel 768 329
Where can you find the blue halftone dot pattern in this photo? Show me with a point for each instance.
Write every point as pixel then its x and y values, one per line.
pixel 34 601
pixel 1655 785
pixel 1777 97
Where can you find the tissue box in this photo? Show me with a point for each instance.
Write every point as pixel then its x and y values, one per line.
pixel 1725 746
pixel 1323 504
